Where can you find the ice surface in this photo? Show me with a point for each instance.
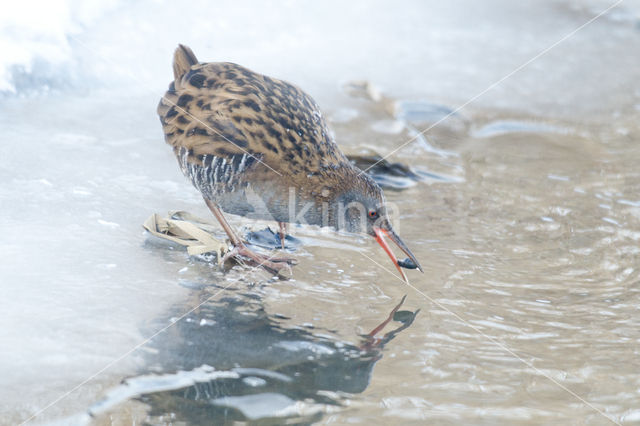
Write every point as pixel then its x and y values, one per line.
pixel 157 383
pixel 258 406
pixel 76 280
pixel 34 40
pixel 446 52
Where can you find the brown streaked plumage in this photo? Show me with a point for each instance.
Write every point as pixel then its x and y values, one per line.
pixel 257 146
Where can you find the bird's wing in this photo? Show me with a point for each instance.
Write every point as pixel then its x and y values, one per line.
pixel 225 111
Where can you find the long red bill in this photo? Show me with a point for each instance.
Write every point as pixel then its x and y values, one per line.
pixel 380 233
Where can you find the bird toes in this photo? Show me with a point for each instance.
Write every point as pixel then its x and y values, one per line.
pixel 280 266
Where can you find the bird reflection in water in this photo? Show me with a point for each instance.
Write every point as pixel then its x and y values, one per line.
pixel 232 361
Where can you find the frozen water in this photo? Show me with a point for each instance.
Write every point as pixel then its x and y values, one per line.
pixel 446 53
pixel 34 40
pixel 257 406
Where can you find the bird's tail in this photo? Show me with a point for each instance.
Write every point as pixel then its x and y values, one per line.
pixel 183 60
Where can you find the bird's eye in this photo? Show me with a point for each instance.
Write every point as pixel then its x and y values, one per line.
pixel 373 214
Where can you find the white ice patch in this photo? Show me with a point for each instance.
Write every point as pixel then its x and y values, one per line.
pixel 151 383
pixel 258 406
pixel 34 40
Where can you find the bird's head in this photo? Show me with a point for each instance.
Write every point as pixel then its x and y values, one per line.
pixel 362 209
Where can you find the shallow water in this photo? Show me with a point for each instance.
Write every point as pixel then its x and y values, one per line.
pixel 526 219
pixel 530 294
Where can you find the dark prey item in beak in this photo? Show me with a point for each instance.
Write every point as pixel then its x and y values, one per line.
pixel 407 264
pixel 380 233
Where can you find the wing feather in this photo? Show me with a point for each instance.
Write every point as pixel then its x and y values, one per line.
pixel 224 109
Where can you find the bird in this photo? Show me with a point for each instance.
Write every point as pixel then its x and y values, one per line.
pixel 259 147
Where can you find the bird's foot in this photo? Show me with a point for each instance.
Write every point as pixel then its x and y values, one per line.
pixel 280 266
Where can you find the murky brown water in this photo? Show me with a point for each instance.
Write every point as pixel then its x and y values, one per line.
pixel 535 254
pixel 528 233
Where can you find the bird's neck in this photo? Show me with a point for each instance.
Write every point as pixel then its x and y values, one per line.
pixel 322 199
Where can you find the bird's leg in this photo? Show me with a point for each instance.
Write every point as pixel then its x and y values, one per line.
pixel 272 264
pixel 374 341
pixel 379 328
pixel 235 239
pixel 282 233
